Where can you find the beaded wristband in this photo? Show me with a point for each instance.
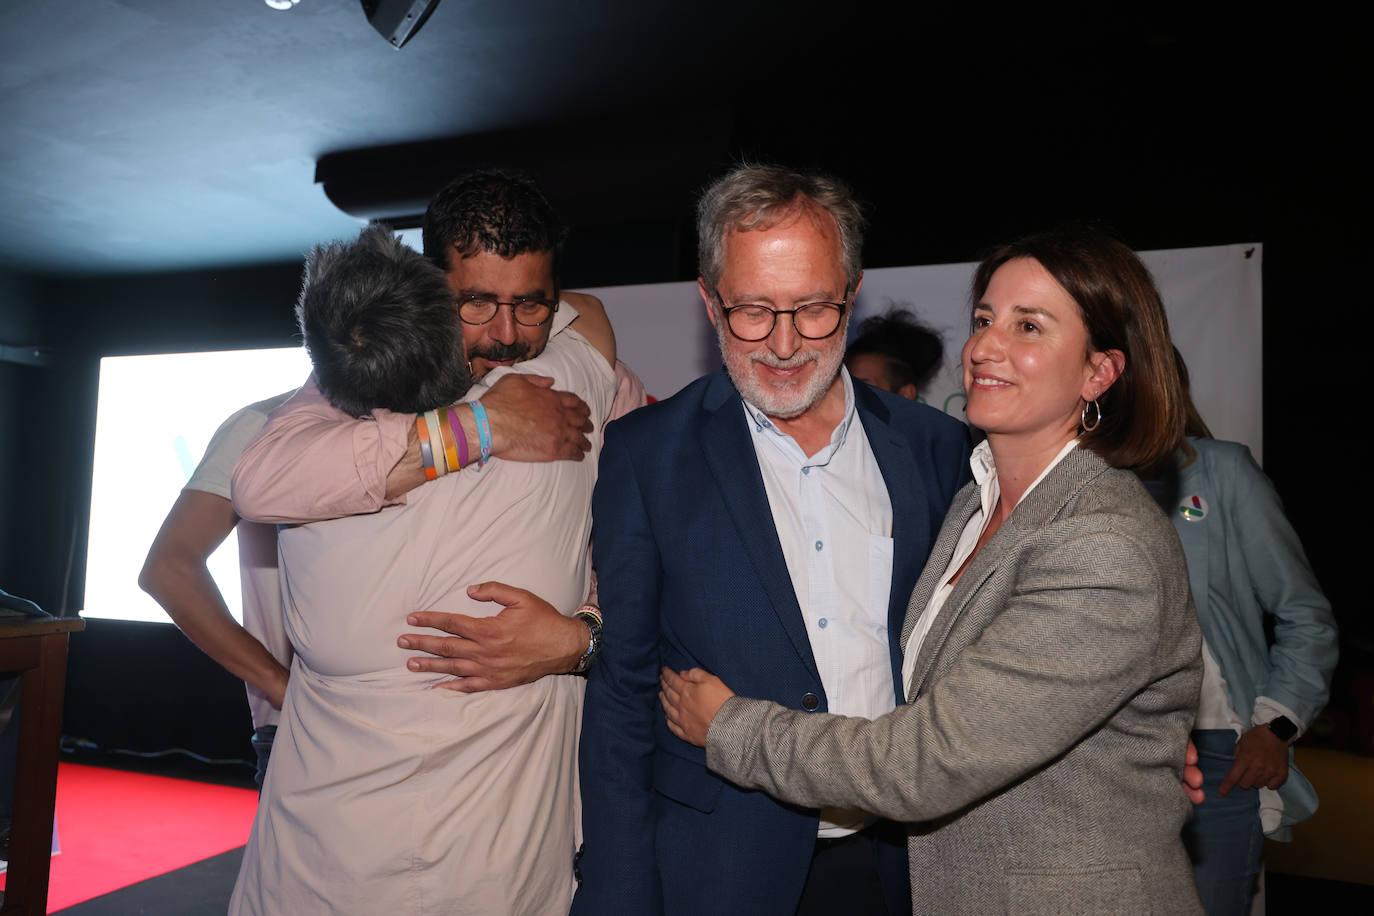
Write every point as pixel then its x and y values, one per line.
pixel 589 610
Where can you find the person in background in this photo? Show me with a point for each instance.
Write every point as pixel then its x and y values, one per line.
pixel 1245 562
pixel 175 575
pixel 896 353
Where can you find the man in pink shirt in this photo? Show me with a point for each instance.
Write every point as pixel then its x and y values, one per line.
pixel 498 242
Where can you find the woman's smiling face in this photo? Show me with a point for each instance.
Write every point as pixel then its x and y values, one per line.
pixel 1028 367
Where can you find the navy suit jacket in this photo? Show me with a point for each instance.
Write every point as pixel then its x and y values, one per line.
pixel 691 574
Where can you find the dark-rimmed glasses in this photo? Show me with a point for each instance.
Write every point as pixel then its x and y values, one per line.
pixel 528 312
pixel 752 323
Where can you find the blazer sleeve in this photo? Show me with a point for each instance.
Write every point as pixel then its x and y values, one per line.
pixel 1056 662
pixel 1303 656
pixel 618 868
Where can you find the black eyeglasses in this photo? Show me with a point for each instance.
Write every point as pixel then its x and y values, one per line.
pixel 752 323
pixel 528 312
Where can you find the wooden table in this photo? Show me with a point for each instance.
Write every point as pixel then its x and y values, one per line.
pixel 37 647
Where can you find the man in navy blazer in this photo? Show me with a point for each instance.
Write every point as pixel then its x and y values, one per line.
pixel 767 524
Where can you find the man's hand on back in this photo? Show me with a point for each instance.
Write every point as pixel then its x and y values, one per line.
pixel 532 422
pixel 526 641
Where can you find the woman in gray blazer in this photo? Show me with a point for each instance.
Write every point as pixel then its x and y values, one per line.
pixel 1052 651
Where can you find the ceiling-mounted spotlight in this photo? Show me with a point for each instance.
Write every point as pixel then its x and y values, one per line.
pixel 282 4
pixel 398 20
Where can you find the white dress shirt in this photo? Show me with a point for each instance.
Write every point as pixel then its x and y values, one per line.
pixel 834 522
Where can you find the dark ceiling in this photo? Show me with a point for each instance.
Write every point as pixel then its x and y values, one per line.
pixel 151 134
pixel 144 135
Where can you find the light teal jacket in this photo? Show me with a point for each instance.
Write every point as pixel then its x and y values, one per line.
pixel 1245 559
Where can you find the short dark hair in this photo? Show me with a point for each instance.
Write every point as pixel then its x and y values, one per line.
pixel 499 211
pixel 911 352
pixel 1143 412
pixel 758 196
pixel 381 326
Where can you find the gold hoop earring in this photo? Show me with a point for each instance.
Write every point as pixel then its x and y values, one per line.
pixel 1097 416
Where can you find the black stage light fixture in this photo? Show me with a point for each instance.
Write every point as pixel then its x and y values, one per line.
pixel 398 20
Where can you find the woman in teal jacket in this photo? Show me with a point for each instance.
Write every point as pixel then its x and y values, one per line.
pixel 1245 560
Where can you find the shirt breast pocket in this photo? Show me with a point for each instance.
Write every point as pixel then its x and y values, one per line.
pixel 879 580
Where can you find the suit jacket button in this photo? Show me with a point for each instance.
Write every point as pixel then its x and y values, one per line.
pixel 810 702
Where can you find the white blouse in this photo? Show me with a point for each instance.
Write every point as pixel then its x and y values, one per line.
pixel 985 475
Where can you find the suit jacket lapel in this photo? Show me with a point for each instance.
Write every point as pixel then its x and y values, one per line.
pixel 732 461
pixel 1038 509
pixel 1194 533
pixel 909 523
pixel 960 511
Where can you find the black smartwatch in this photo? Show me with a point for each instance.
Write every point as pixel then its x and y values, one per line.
pixel 1284 727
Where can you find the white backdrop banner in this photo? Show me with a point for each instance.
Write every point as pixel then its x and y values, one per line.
pixel 1213 296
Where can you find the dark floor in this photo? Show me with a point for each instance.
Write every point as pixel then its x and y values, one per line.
pixel 1295 895
pixel 204 888
pixel 200 889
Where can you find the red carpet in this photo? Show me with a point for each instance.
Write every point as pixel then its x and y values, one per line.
pixel 118 828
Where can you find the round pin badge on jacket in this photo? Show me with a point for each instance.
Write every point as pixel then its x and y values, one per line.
pixel 1193 508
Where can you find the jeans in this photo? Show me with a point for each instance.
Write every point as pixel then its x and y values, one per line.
pixel 262 743
pixel 1224 839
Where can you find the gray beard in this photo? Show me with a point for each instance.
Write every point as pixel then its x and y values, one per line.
pixel 789 401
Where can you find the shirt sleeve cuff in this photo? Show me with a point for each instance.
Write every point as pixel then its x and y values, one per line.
pixel 1268 709
pixel 376 449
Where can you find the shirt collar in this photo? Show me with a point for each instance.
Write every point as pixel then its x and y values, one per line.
pixel 565 316
pixel 985 472
pixel 763 426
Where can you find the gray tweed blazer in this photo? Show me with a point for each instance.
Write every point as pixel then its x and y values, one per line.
pixel 1037 761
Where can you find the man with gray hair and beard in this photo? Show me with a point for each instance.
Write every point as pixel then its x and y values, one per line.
pixel 768 524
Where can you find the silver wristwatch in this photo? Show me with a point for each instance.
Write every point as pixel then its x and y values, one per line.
pixel 589 614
